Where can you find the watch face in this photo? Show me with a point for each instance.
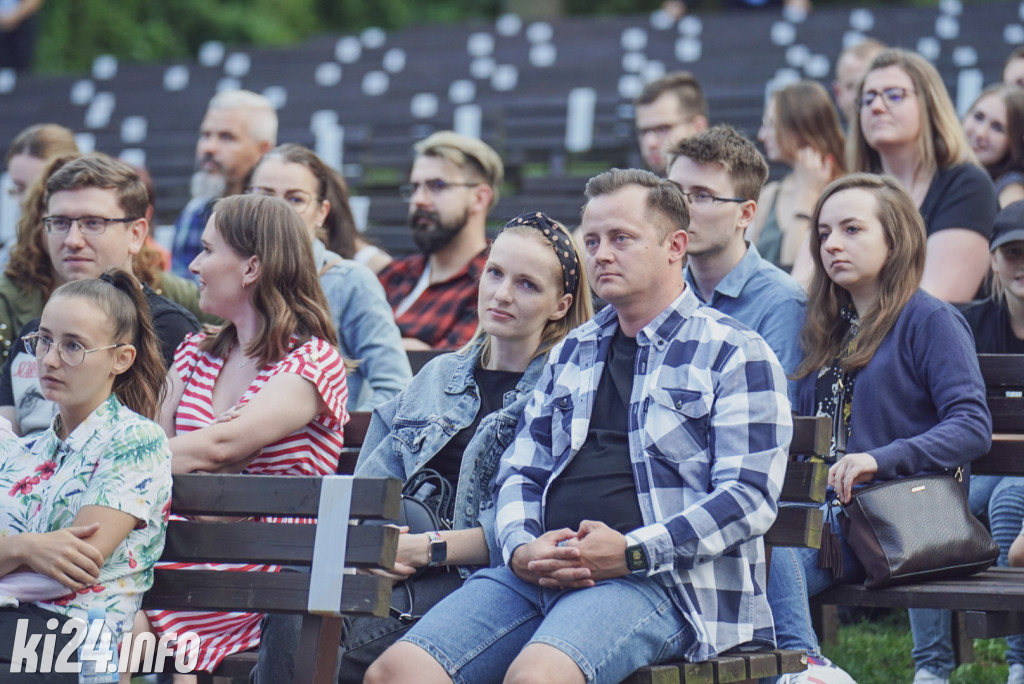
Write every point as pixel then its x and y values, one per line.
pixel 635 558
pixel 438 551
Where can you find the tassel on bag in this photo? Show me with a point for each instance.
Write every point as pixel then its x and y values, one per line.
pixel 830 555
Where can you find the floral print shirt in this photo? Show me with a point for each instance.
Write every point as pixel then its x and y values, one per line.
pixel 115 458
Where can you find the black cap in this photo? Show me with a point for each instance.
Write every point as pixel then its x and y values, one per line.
pixel 1009 225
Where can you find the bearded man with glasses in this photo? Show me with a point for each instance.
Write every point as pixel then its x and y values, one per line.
pixel 452 188
pixel 95 221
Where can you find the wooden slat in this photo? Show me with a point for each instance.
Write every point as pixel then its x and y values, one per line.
pixel 805 482
pixel 1007 413
pixel 729 669
pixel 237 665
pixel 1002 370
pixel 697 673
pixel 1005 458
pixel 655 674
pixel 355 428
pixel 250 495
pixel 811 435
pixel 790 661
pixel 761 665
pixel 796 526
pixel 995 589
pixel 253 542
pixel 992 625
pixel 283 592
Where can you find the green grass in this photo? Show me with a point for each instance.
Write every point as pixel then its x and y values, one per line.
pixel 879 653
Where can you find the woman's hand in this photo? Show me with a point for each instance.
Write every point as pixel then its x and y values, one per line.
pixel 850 470
pixel 413 553
pixel 812 172
pixel 228 415
pixel 65 555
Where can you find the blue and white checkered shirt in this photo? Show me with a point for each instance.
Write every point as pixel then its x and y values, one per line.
pixel 709 431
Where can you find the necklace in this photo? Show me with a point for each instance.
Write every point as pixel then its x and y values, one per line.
pixel 244 362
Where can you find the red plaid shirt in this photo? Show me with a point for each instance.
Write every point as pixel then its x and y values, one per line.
pixel 444 315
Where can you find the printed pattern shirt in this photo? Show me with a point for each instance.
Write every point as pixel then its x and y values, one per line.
pixel 444 316
pixel 115 458
pixel 709 431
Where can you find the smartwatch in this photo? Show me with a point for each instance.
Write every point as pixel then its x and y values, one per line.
pixel 438 551
pixel 636 558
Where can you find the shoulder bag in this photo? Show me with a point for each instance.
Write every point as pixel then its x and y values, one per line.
pixel 916 529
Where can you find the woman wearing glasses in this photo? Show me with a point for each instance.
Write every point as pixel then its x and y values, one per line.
pixel 82 513
pixel 266 393
pixel 908 129
pixel 359 308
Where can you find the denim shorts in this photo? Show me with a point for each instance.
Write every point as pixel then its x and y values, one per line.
pixel 609 630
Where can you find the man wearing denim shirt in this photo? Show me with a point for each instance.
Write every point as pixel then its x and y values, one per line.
pixel 645 469
pixel 721 174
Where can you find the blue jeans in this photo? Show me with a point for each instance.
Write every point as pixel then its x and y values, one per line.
pixel 1001 500
pixel 793 579
pixel 608 630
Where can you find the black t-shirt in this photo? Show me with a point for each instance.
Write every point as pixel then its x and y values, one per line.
pixel 960 196
pixel 598 483
pixel 493 386
pixel 990 323
pixel 171 322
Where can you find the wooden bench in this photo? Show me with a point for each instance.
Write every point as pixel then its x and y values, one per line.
pixel 328 548
pixel 986 605
pixel 798 526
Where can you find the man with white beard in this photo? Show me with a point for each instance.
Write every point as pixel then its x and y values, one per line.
pixel 453 185
pixel 239 127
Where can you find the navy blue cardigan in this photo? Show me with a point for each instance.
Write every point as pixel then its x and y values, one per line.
pixel 919 405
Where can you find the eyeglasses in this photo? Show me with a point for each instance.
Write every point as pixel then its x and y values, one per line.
pixel 661 131
pixel 88 225
pixel 297 199
pixel 434 187
pixel 70 351
pixel 703 198
pixel 890 96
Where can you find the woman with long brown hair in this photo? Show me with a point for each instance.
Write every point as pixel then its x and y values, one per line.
pixel 894 367
pixel 84 511
pixel 266 393
pixel 908 129
pixel 800 129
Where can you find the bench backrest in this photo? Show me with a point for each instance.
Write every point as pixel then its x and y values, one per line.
pixel 336 502
pixel 1004 384
pixel 805 483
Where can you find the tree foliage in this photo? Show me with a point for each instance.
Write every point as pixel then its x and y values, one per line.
pixel 73 32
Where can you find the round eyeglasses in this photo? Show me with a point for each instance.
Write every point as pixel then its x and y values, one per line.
pixel 69 351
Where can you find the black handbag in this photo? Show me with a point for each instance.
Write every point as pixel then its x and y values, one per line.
pixel 428 504
pixel 916 529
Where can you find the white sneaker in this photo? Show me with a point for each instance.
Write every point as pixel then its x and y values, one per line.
pixel 819 671
pixel 923 676
pixel 1016 674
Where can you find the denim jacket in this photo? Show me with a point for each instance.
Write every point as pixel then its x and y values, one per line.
pixel 443 398
pixel 366 330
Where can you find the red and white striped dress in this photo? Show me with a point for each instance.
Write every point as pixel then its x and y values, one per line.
pixel 313 450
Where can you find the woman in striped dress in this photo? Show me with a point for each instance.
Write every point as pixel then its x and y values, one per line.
pixel 266 393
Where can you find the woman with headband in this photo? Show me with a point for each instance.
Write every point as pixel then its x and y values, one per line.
pixel 456 418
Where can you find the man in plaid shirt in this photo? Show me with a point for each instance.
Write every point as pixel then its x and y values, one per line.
pixel 453 185
pixel 645 470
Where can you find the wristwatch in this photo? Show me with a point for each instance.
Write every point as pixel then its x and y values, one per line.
pixel 636 558
pixel 438 552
